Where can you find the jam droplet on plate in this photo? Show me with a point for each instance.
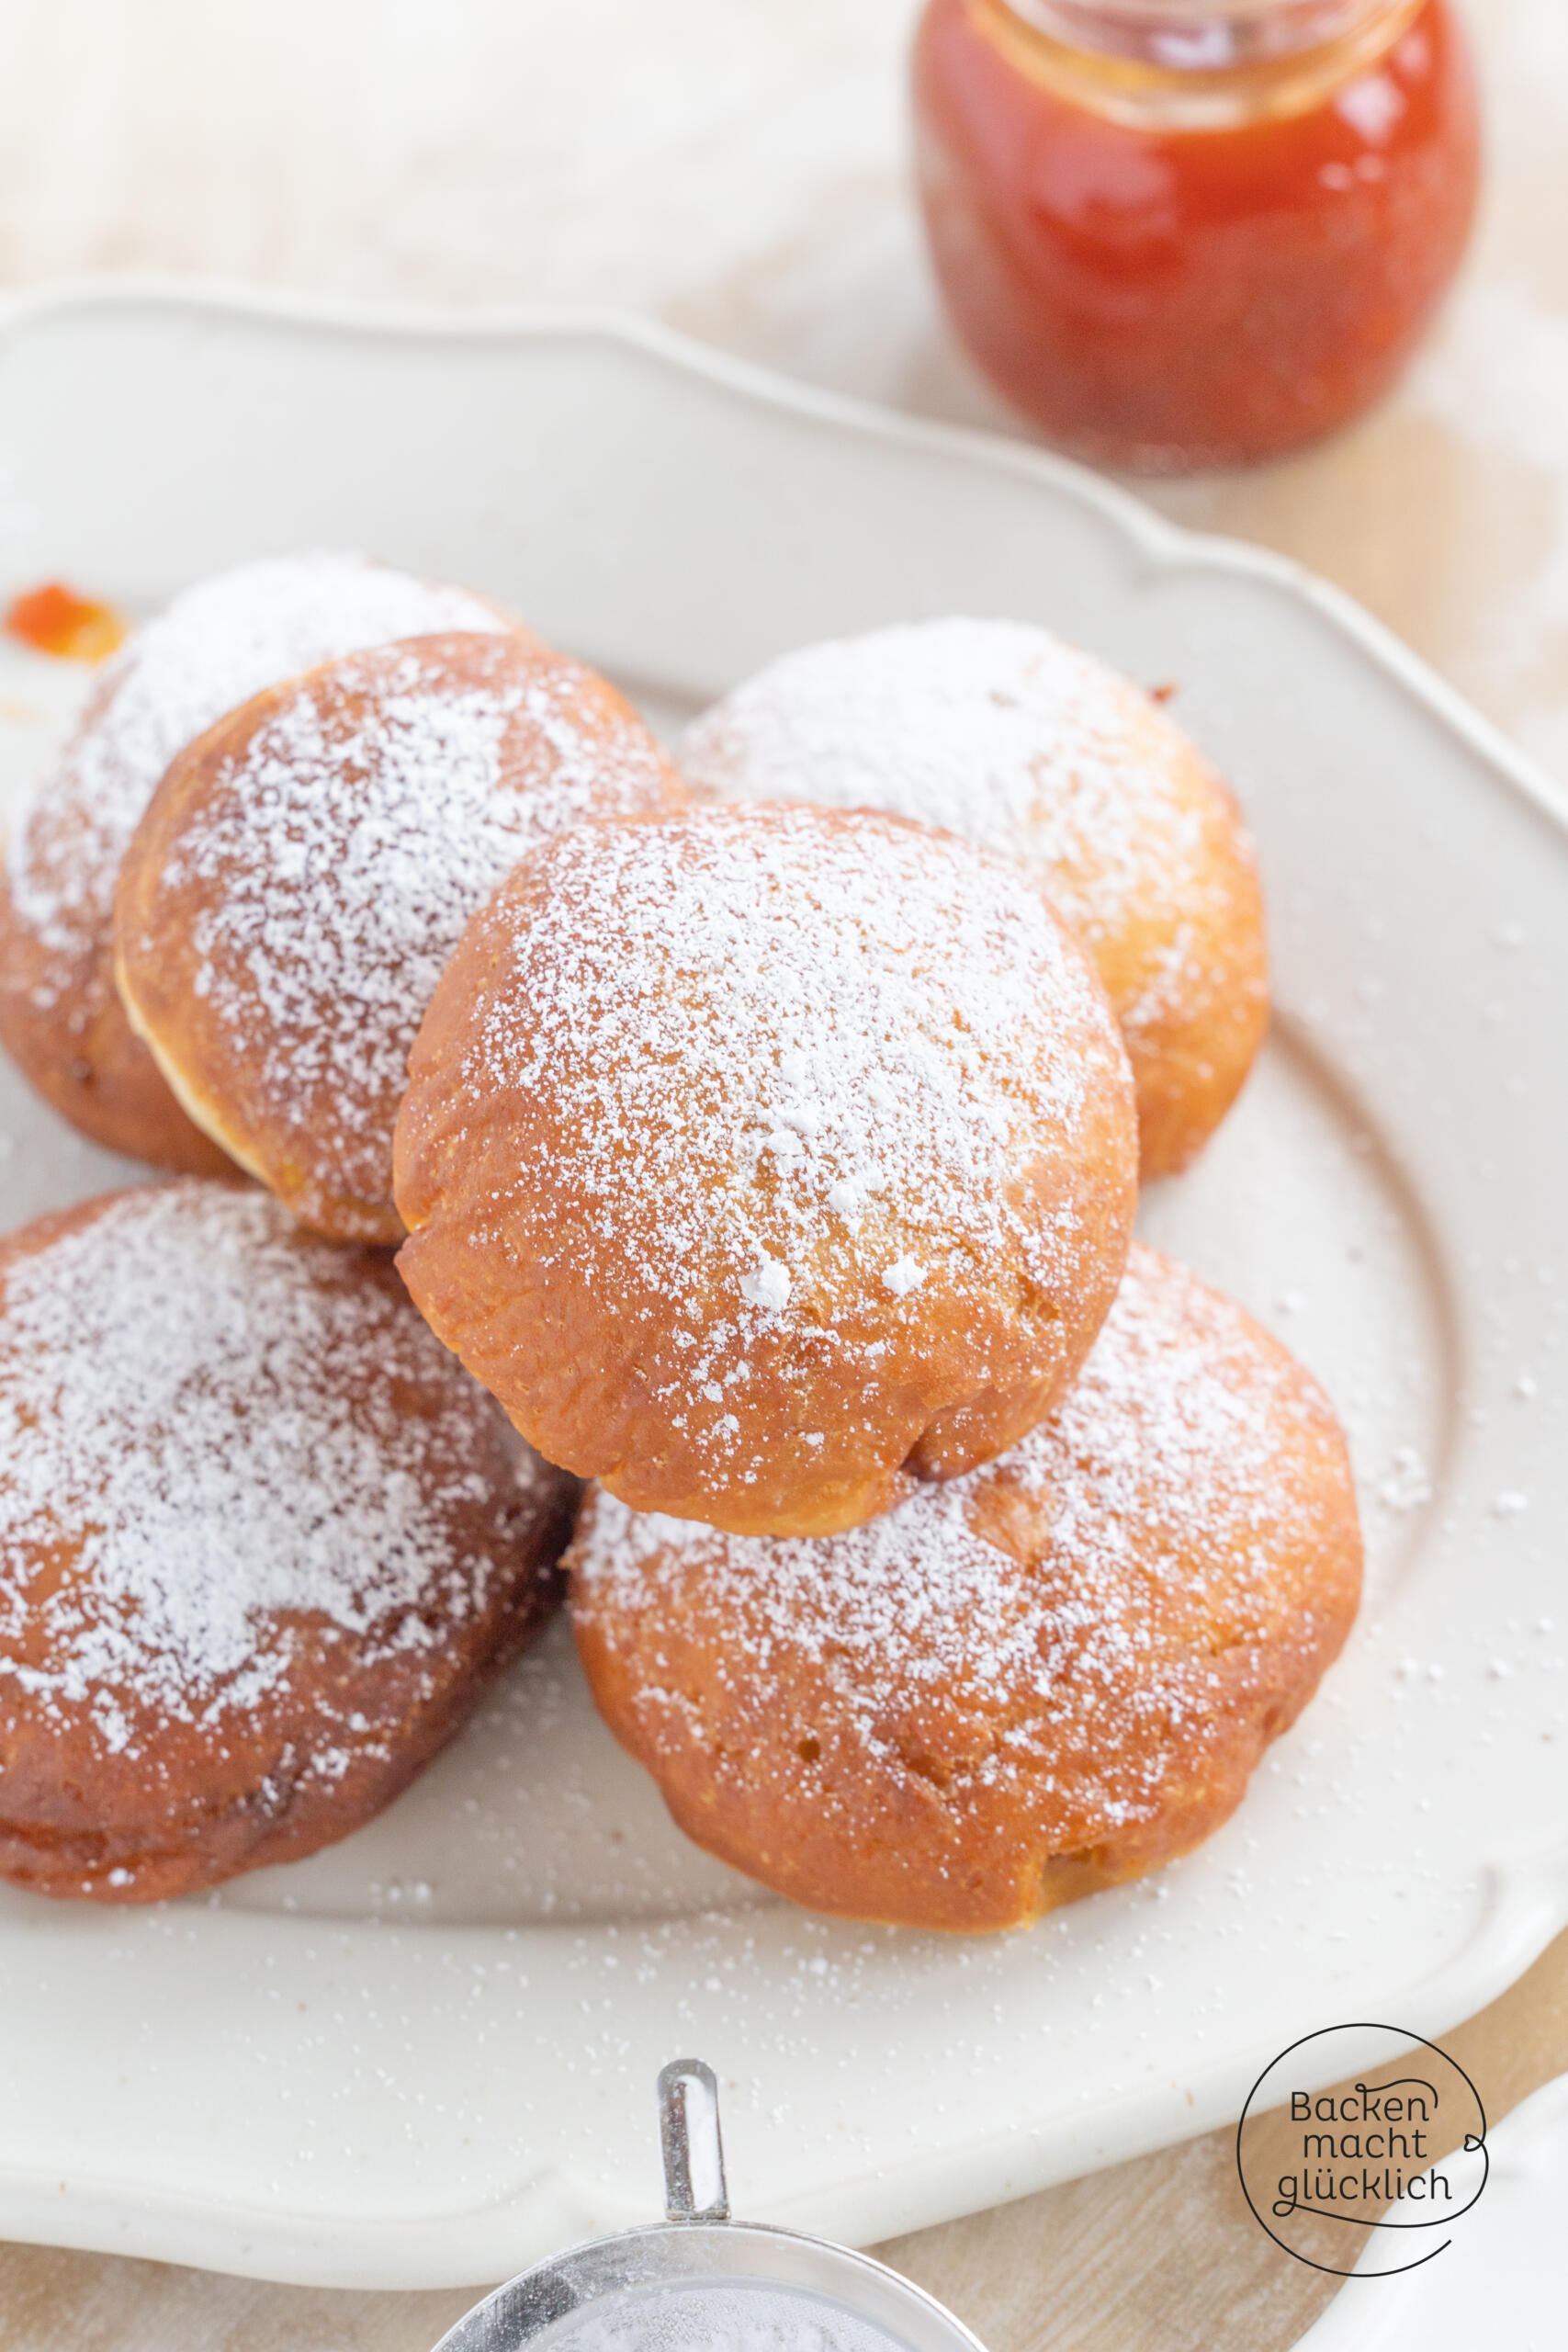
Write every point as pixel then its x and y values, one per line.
pixel 53 618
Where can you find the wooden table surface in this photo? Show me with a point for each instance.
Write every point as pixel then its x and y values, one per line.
pixel 738 167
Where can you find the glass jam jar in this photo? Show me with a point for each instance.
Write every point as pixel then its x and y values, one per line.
pixel 1193 232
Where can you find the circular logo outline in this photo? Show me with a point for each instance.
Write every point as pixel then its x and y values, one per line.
pixel 1473 2142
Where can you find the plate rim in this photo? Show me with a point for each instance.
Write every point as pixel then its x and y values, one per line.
pixel 1163 543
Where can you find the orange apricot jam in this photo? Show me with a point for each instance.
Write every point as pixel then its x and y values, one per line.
pixel 54 619
pixel 1185 238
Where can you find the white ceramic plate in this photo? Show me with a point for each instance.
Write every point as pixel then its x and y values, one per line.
pixel 428 2056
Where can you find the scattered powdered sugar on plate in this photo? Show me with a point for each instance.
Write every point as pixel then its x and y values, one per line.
pixel 216 1427
pixel 993 728
pixel 214 645
pixel 1062 1610
pixel 776 1075
pixel 332 857
pixel 1408 1483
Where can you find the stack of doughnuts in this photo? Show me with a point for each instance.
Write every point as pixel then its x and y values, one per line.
pixel 762 1137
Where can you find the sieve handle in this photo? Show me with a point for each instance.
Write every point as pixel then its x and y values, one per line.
pixel 690 2140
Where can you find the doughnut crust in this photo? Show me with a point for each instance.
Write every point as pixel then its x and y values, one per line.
pixel 1049 1675
pixel 61 1019
pixel 263 1543
pixel 307 867
pixel 758 1157
pixel 1003 732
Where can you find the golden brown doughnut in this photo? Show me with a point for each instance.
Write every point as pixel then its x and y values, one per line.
pixel 263 1543
pixel 1051 1675
pixel 213 647
pixel 1001 731
pixel 305 867
pixel 758 1157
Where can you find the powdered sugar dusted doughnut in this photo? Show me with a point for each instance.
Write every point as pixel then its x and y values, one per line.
pixel 1051 1675
pixel 755 1156
pixel 214 646
pixel 1001 731
pixel 263 1543
pixel 307 867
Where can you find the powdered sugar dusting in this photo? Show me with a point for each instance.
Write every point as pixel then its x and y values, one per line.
pixel 802 1073
pixel 340 850
pixel 1064 1608
pixel 994 729
pixel 217 1411
pixel 719 2315
pixel 214 646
